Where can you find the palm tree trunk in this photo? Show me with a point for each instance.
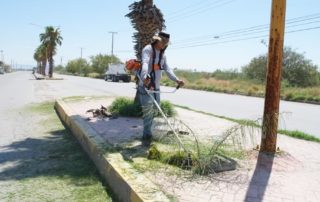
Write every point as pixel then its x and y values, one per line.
pixel 50 66
pixel 39 67
pixel 44 64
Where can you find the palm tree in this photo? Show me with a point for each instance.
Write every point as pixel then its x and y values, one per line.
pixel 40 56
pixel 147 19
pixel 50 39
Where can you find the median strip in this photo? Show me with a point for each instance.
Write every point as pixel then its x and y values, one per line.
pixel 127 183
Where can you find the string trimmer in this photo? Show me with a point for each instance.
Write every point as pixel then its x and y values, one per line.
pixel 161 112
pixel 133 66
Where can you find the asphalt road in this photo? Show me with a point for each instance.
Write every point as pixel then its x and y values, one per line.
pixel 20 88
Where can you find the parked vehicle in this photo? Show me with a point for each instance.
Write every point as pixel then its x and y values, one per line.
pixel 117 72
pixel 1 71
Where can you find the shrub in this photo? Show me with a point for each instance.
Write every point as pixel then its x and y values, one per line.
pixel 288 96
pixel 167 108
pixel 297 70
pixel 226 74
pixel 94 75
pixel 299 98
pixel 126 107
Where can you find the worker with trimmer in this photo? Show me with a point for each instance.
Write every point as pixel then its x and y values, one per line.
pixel 153 63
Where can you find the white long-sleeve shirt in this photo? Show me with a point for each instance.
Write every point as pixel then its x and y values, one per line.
pixel 147 57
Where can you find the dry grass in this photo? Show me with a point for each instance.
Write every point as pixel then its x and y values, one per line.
pixel 243 87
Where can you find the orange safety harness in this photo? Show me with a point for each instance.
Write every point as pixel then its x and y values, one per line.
pixel 136 65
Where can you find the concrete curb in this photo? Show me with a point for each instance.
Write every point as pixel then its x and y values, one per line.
pixel 125 182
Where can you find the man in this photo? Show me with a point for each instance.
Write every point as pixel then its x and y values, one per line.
pixel 153 63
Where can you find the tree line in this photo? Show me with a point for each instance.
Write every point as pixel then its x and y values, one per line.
pixel 94 67
pixel 297 71
pixel 5 67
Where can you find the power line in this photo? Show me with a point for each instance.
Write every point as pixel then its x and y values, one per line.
pixel 124 51
pixel 241 34
pixel 257 27
pixel 199 10
pixel 186 8
pixel 305 29
pixel 247 38
pixel 193 7
pixel 249 29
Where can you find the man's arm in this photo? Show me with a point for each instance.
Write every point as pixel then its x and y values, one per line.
pixel 170 73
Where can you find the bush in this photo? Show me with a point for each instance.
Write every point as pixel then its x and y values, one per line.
pixel 256 69
pixel 78 66
pixel 101 62
pixel 288 96
pixel 94 75
pixel 299 98
pixel 297 70
pixel 226 74
pixel 167 108
pixel 127 107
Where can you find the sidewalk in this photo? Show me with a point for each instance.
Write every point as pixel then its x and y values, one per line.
pixel 294 175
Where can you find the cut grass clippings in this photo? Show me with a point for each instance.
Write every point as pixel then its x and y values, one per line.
pixel 206 160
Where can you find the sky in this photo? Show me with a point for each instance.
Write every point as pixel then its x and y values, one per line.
pixel 205 34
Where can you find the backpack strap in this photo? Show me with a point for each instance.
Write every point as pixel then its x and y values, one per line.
pixel 160 58
pixel 152 73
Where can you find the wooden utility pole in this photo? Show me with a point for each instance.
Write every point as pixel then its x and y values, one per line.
pixel 272 96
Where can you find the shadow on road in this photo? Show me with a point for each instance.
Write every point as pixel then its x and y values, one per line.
pixel 57 155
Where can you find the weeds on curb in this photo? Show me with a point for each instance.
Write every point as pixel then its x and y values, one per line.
pixel 127 107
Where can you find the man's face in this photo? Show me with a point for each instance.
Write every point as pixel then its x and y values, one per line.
pixel 163 43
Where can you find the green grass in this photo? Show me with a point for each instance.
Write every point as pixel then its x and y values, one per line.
pixel 300 135
pixel 295 134
pixel 53 166
pixel 126 107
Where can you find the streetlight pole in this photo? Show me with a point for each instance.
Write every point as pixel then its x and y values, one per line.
pixel 81 48
pixel 112 33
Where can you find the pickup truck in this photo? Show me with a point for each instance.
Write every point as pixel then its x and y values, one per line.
pixel 117 72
